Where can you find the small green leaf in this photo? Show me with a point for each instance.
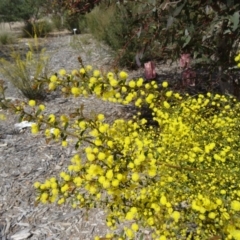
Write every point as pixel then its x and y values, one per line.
pixel 195 54
pixel 38 112
pixel 170 21
pixel 65 126
pixel 77 144
pixel 188 39
pixel 178 9
pixel 82 132
pixel 21 117
pixel 141 236
pixel 227 31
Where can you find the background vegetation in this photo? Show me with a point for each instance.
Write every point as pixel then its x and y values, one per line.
pixel 24 70
pixel 15 10
pixel 7 38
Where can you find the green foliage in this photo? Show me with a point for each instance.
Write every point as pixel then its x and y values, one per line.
pixel 114 28
pixel 58 22
pixel 38 28
pixel 7 38
pixel 208 30
pixel 82 24
pixel 15 10
pixel 74 13
pixel 99 23
pixel 24 71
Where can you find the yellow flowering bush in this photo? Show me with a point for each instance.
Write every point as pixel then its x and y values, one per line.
pixel 179 179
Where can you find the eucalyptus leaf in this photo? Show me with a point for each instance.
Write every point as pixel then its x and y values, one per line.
pixel 179 9
pixel 227 31
pixel 188 39
pixel 195 54
pixel 170 21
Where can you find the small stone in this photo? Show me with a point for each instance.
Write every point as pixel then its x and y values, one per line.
pixel 58 167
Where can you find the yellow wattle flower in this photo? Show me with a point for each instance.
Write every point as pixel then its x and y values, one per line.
pixel 34 128
pixel 62 72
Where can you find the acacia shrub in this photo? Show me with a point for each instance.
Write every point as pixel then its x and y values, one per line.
pixel 179 179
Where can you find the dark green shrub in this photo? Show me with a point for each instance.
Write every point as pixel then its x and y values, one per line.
pixel 82 24
pixel 99 23
pixel 208 30
pixel 77 22
pixel 114 28
pixel 39 28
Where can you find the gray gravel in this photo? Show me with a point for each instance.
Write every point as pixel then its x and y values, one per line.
pixel 25 158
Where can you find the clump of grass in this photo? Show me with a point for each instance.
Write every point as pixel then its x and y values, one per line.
pixel 58 22
pixel 6 38
pixel 114 28
pixel 99 24
pixel 24 70
pixel 39 29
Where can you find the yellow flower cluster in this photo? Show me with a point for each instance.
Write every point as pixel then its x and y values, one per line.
pixel 179 179
pixel 2 117
pixel 237 60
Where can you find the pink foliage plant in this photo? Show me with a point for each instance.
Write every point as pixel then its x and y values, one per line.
pixel 149 70
pixel 188 74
